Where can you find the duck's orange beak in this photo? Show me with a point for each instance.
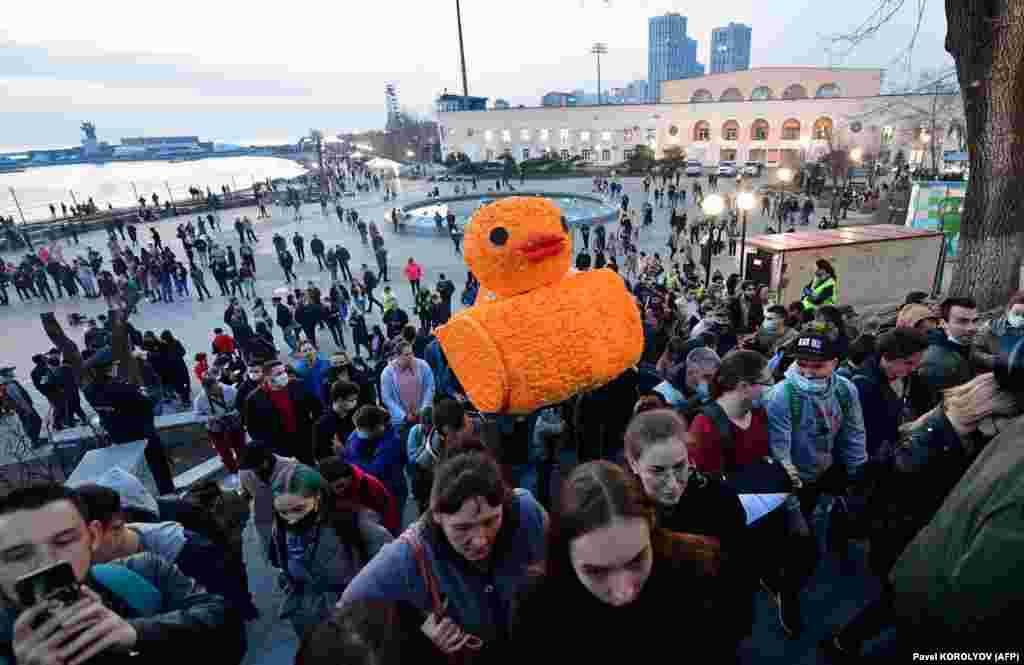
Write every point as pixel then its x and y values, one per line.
pixel 540 247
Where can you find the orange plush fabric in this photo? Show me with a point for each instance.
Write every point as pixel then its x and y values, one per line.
pixel 549 334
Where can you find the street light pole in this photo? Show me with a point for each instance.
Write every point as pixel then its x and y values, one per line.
pixel 598 49
pixel 462 50
pixel 17 204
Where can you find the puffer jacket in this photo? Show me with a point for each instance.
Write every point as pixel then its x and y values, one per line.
pixel 945 364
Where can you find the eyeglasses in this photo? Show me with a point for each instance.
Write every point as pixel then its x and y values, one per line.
pixel 681 473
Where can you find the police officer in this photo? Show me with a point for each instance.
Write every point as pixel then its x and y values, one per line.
pixel 127 414
pixel 14 397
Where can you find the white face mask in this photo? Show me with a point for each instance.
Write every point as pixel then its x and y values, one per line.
pixel 279 381
pixel 1015 320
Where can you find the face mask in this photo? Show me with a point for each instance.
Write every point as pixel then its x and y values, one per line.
pixel 362 436
pixel 305 522
pixel 703 390
pixel 279 381
pixel 1015 320
pixel 804 384
pixel 757 402
pixel 770 325
pixel 255 377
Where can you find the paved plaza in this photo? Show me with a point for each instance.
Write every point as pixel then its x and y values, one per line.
pixel 271 641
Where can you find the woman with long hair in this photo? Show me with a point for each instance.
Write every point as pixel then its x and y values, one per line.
pixel 627 584
pixel 318 547
pixel 464 561
pixel 689 501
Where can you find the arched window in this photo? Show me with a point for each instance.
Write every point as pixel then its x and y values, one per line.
pixel 761 93
pixel 828 90
pixel 730 130
pixel 702 95
pixel 791 130
pixel 759 130
pixel 795 91
pixel 731 95
pixel 702 131
pixel 822 129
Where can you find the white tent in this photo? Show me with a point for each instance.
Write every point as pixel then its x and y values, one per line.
pixel 382 164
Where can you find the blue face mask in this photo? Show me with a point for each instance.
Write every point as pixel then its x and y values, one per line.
pixel 361 435
pixel 807 385
pixel 703 391
pixel 770 325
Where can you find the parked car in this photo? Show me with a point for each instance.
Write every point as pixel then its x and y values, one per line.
pixel 694 168
pixel 728 169
pixel 752 169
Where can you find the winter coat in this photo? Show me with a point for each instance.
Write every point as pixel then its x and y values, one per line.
pixel 945 364
pixel 383 459
pixel 264 422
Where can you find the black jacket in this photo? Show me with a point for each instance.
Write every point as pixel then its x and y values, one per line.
pixel 316 246
pixel 264 422
pixel 284 316
pixel 883 408
pixel 755 316
pixel 125 412
pixel 188 616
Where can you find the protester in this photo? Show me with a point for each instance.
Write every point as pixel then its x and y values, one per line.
pixel 948 361
pixel 1002 334
pixel 282 412
pixel 376 448
pixel 823 289
pixel 318 546
pixel 474 523
pixel 353 486
pixel 407 387
pixel 689 383
pixel 217 402
pixel 142 603
pixel 816 431
pixel 195 554
pixel 615 572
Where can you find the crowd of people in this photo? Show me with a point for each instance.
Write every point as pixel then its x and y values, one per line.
pixel 752 439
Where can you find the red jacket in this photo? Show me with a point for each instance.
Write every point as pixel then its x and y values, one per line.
pixel 223 344
pixel 368 492
pixel 706 446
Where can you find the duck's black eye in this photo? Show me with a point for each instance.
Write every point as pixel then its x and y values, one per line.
pixel 499 236
pixel 565 225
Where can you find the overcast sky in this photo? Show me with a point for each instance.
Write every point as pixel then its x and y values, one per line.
pixel 268 71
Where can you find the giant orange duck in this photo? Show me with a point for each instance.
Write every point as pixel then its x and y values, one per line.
pixel 547 333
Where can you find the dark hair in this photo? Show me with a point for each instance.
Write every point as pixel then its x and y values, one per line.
pixel 737 367
pixel 343 389
pixel 949 303
pixel 901 343
pixel 861 348
pixel 916 298
pixel 38 495
pixel 449 413
pixel 217 331
pixel 652 427
pixel 650 402
pixel 99 503
pixel 254 455
pixel 594 495
pixel 334 468
pixel 367 632
pixel 409 333
pixel 777 309
pixel 370 416
pixel 271 364
pixel 463 477
pixel 822 264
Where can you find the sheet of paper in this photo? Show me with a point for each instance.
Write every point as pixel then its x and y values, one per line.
pixel 759 505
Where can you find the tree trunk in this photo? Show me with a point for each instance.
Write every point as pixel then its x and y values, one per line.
pixel 986 38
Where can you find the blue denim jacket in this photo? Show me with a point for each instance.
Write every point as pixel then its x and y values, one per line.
pixel 809 451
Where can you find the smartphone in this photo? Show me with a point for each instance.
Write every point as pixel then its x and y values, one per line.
pixel 55 582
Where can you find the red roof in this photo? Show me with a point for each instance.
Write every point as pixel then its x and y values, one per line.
pixel 850 235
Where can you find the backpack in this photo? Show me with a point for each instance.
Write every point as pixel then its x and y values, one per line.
pixel 796 405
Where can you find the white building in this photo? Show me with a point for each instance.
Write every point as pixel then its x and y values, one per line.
pixel 769 114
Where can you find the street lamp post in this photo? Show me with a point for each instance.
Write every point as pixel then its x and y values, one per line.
pixel 712 207
pixel 745 201
pixel 599 49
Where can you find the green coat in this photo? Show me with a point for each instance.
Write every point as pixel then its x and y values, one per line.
pixel 963 575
